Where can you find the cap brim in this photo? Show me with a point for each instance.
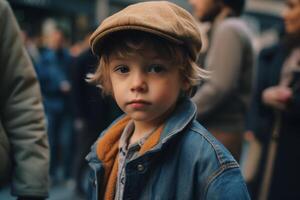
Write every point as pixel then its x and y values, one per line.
pixel 98 40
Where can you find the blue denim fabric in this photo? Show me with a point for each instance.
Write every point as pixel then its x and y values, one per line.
pixel 187 163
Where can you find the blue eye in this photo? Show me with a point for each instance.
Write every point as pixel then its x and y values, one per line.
pixel 122 69
pixel 156 68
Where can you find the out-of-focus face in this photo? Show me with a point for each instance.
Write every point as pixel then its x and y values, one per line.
pixel 56 40
pixel 291 17
pixel 206 10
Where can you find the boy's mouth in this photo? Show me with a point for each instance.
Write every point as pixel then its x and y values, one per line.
pixel 138 103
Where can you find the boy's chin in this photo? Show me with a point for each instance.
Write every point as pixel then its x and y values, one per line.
pixel 142 118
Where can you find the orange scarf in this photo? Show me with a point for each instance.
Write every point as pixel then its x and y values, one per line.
pixel 107 152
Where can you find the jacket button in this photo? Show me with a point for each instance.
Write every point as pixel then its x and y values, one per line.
pixel 140 167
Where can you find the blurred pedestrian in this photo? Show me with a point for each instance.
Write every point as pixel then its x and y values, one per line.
pixel 24 152
pixel 157 150
pixel 275 113
pixel 55 73
pixel 223 99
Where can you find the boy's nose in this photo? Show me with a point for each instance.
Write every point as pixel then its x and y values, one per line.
pixel 138 83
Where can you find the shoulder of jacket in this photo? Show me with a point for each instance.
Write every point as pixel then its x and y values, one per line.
pixel 4 14
pixel 208 158
pixel 233 22
pixel 213 150
pixel 3 5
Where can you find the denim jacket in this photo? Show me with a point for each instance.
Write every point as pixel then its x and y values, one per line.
pixel 188 163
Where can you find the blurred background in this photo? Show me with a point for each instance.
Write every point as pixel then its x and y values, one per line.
pixel 63 27
pixel 78 16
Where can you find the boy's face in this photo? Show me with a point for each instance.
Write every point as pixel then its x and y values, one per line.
pixel 145 86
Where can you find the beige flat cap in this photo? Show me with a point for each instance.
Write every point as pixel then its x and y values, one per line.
pixel 161 18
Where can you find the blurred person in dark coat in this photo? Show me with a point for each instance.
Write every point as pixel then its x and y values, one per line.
pixel 223 99
pixel 275 112
pixel 24 153
pixel 54 73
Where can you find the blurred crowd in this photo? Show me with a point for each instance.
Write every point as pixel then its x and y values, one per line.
pixel 251 102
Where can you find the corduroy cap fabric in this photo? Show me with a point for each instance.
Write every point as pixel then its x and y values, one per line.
pixel 161 18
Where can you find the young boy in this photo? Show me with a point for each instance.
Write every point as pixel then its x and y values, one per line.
pixel 157 150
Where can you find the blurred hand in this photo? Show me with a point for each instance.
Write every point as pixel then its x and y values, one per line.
pixel 65 86
pixel 277 96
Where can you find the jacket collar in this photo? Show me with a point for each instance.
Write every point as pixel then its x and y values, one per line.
pixel 184 113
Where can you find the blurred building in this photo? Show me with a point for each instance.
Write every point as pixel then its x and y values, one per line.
pixel 74 15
